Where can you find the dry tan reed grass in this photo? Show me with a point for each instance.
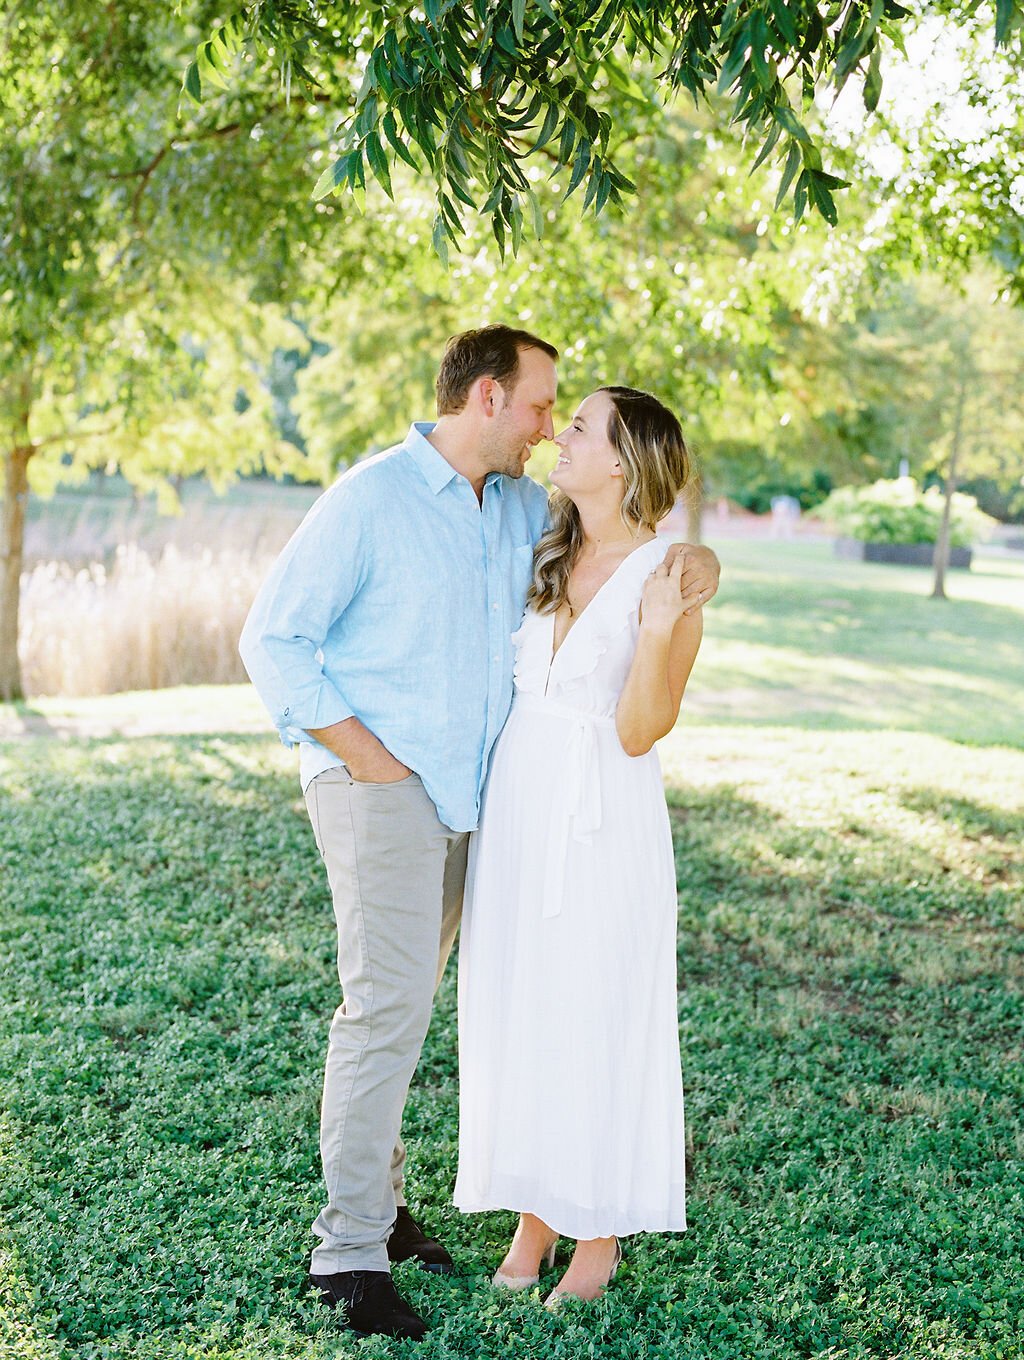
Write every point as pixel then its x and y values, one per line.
pixel 147 622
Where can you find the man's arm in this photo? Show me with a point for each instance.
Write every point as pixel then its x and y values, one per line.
pixel 367 758
pixel 701 570
pixel 308 589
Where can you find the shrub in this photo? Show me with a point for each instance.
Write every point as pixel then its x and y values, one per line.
pixel 899 512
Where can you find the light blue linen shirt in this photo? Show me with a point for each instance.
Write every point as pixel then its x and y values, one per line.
pixel 394 602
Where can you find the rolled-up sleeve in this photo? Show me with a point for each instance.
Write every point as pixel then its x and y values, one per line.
pixel 309 587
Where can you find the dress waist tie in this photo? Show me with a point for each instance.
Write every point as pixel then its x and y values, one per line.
pixel 580 816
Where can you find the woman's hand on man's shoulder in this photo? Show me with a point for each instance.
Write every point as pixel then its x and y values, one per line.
pixel 698 582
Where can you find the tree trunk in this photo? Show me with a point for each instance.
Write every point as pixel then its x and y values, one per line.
pixel 941 561
pixel 694 512
pixel 12 546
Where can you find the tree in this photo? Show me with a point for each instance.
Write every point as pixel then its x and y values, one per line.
pixel 155 250
pixel 472 92
pixel 144 260
pixel 931 374
pixel 691 295
pixel 942 158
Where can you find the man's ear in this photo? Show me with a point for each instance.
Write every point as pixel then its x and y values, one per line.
pixel 488 396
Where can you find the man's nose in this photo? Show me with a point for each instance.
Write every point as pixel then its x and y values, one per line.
pixel 548 429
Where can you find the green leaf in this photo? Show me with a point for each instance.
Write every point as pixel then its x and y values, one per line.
pixel 191 85
pixel 735 61
pixel 832 181
pixel 433 55
pixel 356 175
pixel 332 177
pixel 579 168
pixel 545 7
pixel 567 141
pixel 396 60
pixel 378 159
pixel 611 15
pixel 529 115
pixel 450 214
pixel 784 21
pixel 498 227
pixel 821 196
pixel 851 51
pixel 390 126
pixel 592 183
pixel 873 80
pixel 518 18
pixel 620 181
pixel 789 170
pixel 460 193
pixel 516 222
pixel 623 81
pixel 207 66
pixel 783 114
pixel 800 194
pixel 548 127
pixel 553 43
pixel 537 211
pixel 769 146
pixel 367 117
pixel 763 68
pixel 439 239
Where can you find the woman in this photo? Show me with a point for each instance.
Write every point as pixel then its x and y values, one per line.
pixel 571 1102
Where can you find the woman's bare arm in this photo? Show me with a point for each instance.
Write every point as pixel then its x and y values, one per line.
pixel 665 652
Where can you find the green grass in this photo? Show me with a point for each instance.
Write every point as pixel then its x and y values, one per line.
pixel 802 638
pixel 851 953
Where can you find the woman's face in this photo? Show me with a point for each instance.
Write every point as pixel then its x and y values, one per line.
pixel 588 463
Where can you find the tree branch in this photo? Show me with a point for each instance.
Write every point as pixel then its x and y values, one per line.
pixel 68 438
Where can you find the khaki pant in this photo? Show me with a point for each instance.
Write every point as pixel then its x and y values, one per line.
pixel 397 876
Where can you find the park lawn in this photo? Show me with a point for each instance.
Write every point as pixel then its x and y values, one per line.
pixel 800 637
pixel 851 961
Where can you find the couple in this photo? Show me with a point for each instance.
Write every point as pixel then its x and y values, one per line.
pixel 384 643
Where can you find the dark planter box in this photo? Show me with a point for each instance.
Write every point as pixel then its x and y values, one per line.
pixel 906 554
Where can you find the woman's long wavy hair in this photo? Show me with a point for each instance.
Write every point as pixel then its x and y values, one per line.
pixel 655 464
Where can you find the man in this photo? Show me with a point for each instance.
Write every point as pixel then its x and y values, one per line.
pixel 381 644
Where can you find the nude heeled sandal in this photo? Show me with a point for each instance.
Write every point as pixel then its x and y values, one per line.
pixel 502 1281
pixel 554 1299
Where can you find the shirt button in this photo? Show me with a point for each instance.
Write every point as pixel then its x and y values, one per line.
pixel 494 606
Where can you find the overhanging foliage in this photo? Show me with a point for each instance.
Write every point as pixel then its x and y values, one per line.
pixel 470 92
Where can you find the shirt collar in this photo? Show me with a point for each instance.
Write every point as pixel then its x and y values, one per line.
pixel 437 471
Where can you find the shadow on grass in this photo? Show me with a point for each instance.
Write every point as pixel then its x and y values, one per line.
pixel 822 656
pixel 976 820
pixel 21 719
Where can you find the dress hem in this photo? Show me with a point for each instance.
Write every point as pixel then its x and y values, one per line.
pixel 613 1227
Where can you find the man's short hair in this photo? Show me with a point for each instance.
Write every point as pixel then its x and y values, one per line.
pixel 490 352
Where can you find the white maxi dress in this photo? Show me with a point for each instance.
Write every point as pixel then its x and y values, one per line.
pixel 571 1098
